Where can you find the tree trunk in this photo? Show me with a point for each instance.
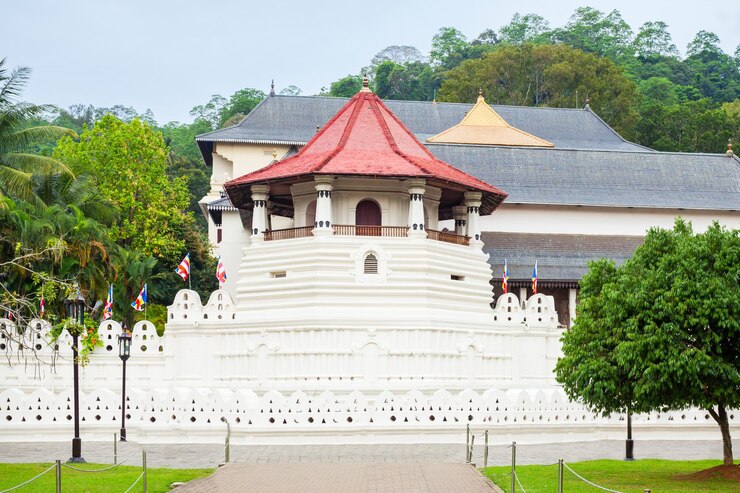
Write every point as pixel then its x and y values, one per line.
pixel 720 416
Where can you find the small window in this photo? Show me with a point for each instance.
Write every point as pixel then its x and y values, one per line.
pixel 455 277
pixel 278 275
pixel 371 264
pixel 219 235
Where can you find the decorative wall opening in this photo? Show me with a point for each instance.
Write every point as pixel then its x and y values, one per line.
pixel 371 264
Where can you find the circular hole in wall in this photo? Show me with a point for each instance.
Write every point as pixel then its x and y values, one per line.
pixel 38 417
pixel 192 419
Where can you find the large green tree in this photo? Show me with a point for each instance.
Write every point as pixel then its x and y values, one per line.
pixel 662 331
pixel 545 75
pixel 129 163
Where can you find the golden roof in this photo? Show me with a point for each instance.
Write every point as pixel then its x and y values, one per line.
pixel 483 126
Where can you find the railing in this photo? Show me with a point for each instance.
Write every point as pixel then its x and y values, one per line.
pixel 360 230
pixel 289 233
pixel 433 234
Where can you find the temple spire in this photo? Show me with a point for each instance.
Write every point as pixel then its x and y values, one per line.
pixel 272 88
pixel 729 148
pixel 365 84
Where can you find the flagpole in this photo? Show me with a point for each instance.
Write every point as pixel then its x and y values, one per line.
pixel 190 285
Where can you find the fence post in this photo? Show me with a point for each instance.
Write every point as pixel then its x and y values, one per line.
pixel 227 442
pixel 115 448
pixel 560 475
pixel 58 474
pixel 485 452
pixel 513 467
pixel 143 463
pixel 470 452
pixel 467 443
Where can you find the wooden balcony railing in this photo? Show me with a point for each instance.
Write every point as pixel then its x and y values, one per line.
pixel 288 233
pixel 447 237
pixel 359 230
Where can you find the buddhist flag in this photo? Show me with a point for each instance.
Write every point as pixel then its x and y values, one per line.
pixel 108 308
pixel 534 278
pixel 42 307
pixel 221 272
pixel 140 300
pixel 183 270
pixel 505 279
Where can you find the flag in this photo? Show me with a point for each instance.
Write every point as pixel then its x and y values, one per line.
pixel 10 315
pixel 108 308
pixel 505 279
pixel 221 272
pixel 534 278
pixel 183 270
pixel 42 307
pixel 140 300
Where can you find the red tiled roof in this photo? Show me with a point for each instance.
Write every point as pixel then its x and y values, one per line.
pixel 365 138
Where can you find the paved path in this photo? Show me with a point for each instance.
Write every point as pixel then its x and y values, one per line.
pixel 210 455
pixel 343 478
pixel 422 468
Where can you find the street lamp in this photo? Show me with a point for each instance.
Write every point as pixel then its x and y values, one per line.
pixel 75 307
pixel 124 352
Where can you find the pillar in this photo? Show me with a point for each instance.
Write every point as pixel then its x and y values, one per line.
pixel 572 305
pixel 472 203
pixel 416 209
pixel 259 213
pixel 460 214
pixel 322 225
pixel 523 296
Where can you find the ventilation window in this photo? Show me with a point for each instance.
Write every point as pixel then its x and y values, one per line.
pixel 371 264
pixel 455 277
pixel 278 275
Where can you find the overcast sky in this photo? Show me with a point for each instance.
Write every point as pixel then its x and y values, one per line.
pixel 172 55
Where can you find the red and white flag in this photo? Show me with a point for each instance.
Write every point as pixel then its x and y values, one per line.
pixel 183 270
pixel 220 272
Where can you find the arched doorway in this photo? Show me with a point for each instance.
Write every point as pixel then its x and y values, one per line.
pixel 368 218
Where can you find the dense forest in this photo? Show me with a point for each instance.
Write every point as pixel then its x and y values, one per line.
pixel 91 196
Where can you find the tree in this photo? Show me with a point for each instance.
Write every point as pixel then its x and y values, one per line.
pixel 595 32
pixel 17 162
pixel 239 104
pixel 547 75
pixel 448 47
pixel 291 90
pixel 397 54
pixel 346 87
pixel 704 41
pixel 653 39
pixel 129 163
pixel 210 112
pixel 412 81
pixel 662 331
pixel 527 28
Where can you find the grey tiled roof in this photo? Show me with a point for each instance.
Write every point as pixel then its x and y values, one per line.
pixel 603 178
pixel 591 165
pixel 293 120
pixel 559 257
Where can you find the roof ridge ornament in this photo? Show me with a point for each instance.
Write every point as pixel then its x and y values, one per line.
pixel 272 88
pixel 588 104
pixel 729 148
pixel 365 84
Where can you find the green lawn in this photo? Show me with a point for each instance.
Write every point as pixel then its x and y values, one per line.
pixel 117 479
pixel 660 476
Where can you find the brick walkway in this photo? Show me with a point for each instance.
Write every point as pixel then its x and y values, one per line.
pixel 342 478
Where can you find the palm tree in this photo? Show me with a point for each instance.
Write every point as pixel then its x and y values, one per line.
pixel 17 163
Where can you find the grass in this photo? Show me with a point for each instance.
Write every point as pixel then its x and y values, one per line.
pixel 116 479
pixel 660 476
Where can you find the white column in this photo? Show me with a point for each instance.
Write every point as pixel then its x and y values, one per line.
pixel 572 305
pixel 523 296
pixel 416 209
pixel 460 214
pixel 259 214
pixel 472 202
pixel 323 222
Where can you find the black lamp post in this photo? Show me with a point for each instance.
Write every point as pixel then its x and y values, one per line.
pixel 75 306
pixel 124 352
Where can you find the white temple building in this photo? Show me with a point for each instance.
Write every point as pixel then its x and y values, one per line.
pixel 363 244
